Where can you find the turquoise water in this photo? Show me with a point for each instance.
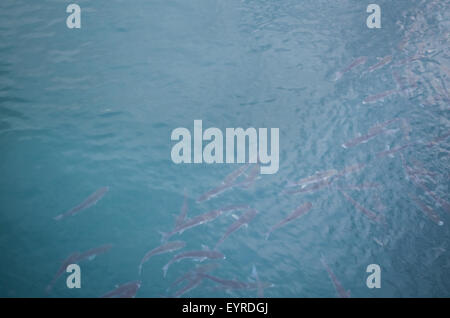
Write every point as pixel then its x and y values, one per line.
pixel 85 108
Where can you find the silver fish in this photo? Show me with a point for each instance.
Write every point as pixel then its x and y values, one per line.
pixel 242 220
pixel 303 209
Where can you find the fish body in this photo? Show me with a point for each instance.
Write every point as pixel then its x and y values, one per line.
pixel 379 97
pixel 242 220
pixel 200 255
pixel 71 259
pixel 337 285
pixel 127 290
pixel 165 248
pixel 358 61
pixel 429 212
pixel 303 209
pixel 386 60
pixel 317 177
pixel 90 201
pixel 371 215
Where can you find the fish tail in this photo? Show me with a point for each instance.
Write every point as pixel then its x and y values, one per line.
pixel 58 217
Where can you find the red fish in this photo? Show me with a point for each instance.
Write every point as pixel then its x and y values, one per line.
pixel 379 97
pixel 200 255
pixel 384 61
pixel 127 290
pixel 371 215
pixel 165 248
pixel 359 61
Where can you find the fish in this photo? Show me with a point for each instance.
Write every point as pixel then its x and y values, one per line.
pixel 410 59
pixel 429 212
pixel 379 97
pixel 350 169
pixel 230 284
pixel 242 220
pixel 359 187
pixel 193 283
pixel 231 178
pixel 390 152
pixel 199 269
pixel 301 210
pixel 316 177
pixel 92 253
pixel 443 203
pixel 372 132
pixel 165 248
pixel 337 285
pixel 358 61
pixel 251 177
pixel 384 61
pixel 183 213
pixel 214 192
pixel 370 214
pixel 200 255
pixel 71 259
pixel 127 290
pixel 199 220
pixel 90 201
pixel 310 188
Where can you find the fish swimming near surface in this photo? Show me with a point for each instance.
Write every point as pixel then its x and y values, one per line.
pixel 337 285
pixel 251 177
pixel 315 178
pixel 127 290
pixel 303 209
pixel 165 248
pixel 183 213
pixel 90 201
pixel 199 255
pixel 71 259
pixel 244 219
pixel 199 220
pixel 384 61
pixel 391 151
pixel 199 269
pixel 92 253
pixel 194 282
pixel 358 61
pixel 373 131
pixel 371 215
pixel 75 258
pixel 226 184
pixel 429 212
pixel 379 97
pixel 311 188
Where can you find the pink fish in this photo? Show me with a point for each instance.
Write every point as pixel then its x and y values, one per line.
pixel 379 97
pixel 384 61
pixel 183 214
pixel 315 178
pixel 127 290
pixel 427 211
pixel 244 219
pixel 359 61
pixel 231 178
pixel 251 177
pixel 199 269
pixel 337 285
pixel 359 187
pixel 371 215
pixel 310 188
pixel 389 152
pixel 350 169
pixel 92 253
pixel 90 201
pixel 303 209
pixel 199 220
pixel 193 283
pixel 199 255
pixel 373 131
pixel 165 248
pixel 71 259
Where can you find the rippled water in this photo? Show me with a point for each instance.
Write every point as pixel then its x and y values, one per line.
pixel 82 109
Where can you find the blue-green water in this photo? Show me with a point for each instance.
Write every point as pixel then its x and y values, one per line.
pixel 85 108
